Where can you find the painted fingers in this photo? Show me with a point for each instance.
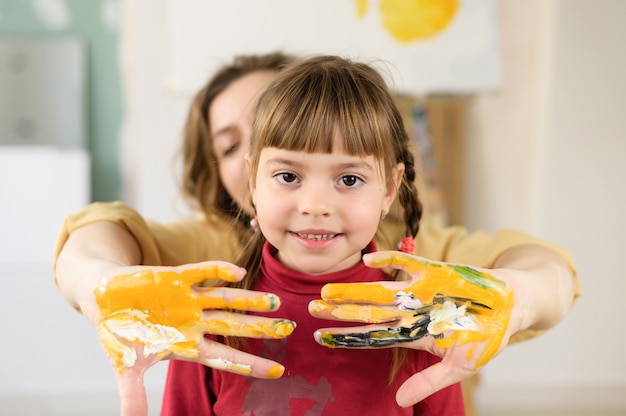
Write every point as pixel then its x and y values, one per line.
pixel 158 312
pixel 219 356
pixel 236 299
pixel 235 324
pixel 453 304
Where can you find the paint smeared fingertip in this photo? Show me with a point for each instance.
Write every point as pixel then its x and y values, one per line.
pixel 318 305
pixel 283 328
pixel 326 290
pixel 325 339
pixel 276 371
pixel 273 301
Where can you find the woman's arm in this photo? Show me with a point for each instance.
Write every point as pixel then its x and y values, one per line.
pixel 543 282
pixel 98 268
pixel 91 252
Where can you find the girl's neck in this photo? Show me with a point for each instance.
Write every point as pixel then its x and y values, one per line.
pixel 303 283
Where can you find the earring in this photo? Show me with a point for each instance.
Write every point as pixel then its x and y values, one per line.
pixel 407 245
pixel 254 223
pixel 383 214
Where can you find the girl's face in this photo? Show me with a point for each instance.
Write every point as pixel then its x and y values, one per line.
pixel 230 117
pixel 320 210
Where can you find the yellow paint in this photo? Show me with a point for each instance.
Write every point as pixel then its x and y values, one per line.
pixel 233 327
pixel 434 278
pixel 276 371
pixel 160 313
pixel 411 20
pixel 361 7
pixel 264 302
pixel 358 292
pixel 364 313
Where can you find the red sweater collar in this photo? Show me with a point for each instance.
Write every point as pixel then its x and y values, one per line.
pixel 297 282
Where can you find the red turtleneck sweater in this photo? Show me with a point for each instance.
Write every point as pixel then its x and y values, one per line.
pixel 317 380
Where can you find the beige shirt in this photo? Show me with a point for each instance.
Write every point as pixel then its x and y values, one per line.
pixel 200 239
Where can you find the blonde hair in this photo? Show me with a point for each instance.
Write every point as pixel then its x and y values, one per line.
pixel 326 98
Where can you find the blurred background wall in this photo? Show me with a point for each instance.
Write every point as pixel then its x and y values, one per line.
pixel 94 23
pixel 60 118
pixel 543 153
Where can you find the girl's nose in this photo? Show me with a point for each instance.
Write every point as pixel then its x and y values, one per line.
pixel 316 200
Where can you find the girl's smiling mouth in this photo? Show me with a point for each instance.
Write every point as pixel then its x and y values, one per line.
pixel 316 237
pixel 316 240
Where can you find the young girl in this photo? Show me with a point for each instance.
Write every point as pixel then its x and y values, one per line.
pixel 105 241
pixel 329 155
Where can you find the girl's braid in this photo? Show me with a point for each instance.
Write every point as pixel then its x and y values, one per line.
pixel 408 195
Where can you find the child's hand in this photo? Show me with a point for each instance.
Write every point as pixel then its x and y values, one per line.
pixel 459 313
pixel 149 314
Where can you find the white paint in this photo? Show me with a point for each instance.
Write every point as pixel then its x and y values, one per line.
pixel 449 317
pixel 132 325
pixel 224 364
pixel 406 301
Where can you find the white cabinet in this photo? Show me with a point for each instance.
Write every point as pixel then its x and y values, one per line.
pixel 39 186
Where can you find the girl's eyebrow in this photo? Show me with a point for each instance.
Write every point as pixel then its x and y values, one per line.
pixel 356 165
pixel 282 161
pixel 347 165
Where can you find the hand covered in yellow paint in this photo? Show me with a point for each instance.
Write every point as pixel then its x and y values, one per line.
pixel 456 312
pixel 153 313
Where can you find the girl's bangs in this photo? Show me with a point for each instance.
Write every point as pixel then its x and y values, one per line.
pixel 315 123
pixel 326 105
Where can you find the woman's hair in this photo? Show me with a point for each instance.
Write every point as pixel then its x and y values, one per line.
pixel 201 182
pixel 326 98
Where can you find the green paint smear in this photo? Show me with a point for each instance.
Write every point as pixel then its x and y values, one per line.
pixel 478 278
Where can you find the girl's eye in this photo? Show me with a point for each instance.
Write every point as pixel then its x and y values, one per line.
pixel 350 180
pixel 287 177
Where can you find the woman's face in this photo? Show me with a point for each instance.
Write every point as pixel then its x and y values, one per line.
pixel 230 116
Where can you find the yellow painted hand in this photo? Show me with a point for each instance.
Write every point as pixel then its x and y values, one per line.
pixel 154 313
pixel 454 311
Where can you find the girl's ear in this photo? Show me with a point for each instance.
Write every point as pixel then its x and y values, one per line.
pixel 393 185
pixel 251 179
